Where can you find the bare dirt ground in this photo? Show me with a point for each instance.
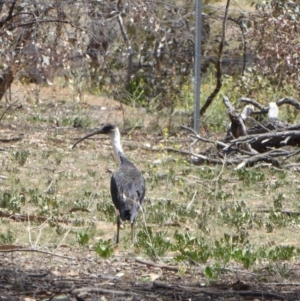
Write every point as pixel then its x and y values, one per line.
pixel 60 271
pixel 71 274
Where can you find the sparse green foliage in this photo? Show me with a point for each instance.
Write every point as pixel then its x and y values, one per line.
pixel 249 176
pixel 104 248
pixel 7 238
pixel 153 244
pixel 11 201
pixel 211 273
pixel 173 210
pixel 236 214
pixel 192 249
pixel 107 209
pixel 46 204
pixel 193 215
pixel 21 156
pixel 83 238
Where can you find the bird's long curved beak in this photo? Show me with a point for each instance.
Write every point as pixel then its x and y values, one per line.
pixel 97 131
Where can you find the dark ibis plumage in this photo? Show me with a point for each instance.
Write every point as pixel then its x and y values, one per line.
pixel 127 185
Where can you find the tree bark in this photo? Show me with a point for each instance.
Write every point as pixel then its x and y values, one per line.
pixel 6 81
pixel 218 66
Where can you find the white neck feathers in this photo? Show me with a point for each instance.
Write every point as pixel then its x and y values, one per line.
pixel 115 138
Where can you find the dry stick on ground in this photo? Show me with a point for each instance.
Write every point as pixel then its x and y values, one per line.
pixel 13 139
pixel 37 251
pixel 24 217
pixel 267 157
pixel 157 265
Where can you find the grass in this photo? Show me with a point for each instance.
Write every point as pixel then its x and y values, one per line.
pixel 193 214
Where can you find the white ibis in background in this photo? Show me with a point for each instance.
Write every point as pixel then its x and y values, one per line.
pixel 127 185
pixel 273 111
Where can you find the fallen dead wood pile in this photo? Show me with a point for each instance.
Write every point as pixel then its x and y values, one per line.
pixel 247 141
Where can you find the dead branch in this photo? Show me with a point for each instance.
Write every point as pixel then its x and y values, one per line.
pixel 289 101
pixel 293 127
pixel 264 138
pixel 258 158
pixel 227 104
pixel 253 102
pixel 263 144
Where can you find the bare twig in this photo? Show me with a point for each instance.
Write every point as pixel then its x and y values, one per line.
pixel 36 251
pixel 197 136
pixel 13 139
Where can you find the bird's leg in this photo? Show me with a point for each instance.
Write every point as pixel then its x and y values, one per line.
pixel 132 232
pixel 118 227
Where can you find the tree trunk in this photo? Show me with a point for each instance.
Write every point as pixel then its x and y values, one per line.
pixel 5 81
